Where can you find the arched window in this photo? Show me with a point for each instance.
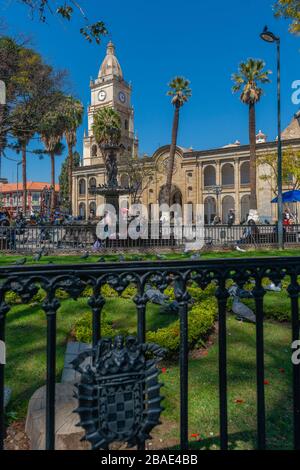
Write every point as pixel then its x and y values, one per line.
pixel 81 187
pixel 94 150
pixel 92 183
pixel 92 209
pixel 227 175
pixel 227 204
pixel 209 176
pixel 210 209
pixel 245 207
pixel 82 211
pixel 245 173
pixel 124 181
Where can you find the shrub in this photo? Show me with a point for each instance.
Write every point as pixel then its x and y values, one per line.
pixel 201 319
pixel 12 298
pixel 83 328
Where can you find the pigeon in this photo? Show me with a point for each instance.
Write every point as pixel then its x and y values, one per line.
pixel 172 308
pixel 240 249
pixel 273 288
pixel 236 291
pixel 101 259
pixel 155 296
pixel 85 255
pixel 158 256
pixel 21 261
pixel 242 311
pixel 37 256
pixel 195 256
pixel 121 258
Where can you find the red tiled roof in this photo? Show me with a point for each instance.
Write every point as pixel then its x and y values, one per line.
pixel 31 186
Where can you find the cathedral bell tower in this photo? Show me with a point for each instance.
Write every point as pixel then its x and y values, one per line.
pixel 110 90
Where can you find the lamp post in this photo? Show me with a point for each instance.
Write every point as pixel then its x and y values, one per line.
pixel 217 190
pixel 270 37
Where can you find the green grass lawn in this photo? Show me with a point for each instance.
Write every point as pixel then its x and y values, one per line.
pixel 8 259
pixel 203 390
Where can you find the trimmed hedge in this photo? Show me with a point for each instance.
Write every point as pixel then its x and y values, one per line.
pixel 201 318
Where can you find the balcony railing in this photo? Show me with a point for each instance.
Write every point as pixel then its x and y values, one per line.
pixel 25 281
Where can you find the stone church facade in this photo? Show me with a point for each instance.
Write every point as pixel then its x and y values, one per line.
pixel 217 178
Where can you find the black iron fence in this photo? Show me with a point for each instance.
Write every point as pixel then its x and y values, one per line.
pixel 25 281
pixel 66 238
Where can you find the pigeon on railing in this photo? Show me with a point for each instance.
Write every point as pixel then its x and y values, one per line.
pixel 273 288
pixel 101 259
pixel 121 258
pixel 155 296
pixel 172 307
pixel 236 291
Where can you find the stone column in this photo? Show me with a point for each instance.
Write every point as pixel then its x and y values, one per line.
pixel 87 209
pixel 237 191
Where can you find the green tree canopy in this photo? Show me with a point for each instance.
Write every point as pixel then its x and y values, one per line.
pixel 64 179
pixel 107 127
pixel 289 9
pixel 66 9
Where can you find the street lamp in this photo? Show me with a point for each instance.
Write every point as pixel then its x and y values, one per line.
pixel 217 190
pixel 270 37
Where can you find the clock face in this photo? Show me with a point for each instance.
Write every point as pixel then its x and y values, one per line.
pixel 101 95
pixel 122 97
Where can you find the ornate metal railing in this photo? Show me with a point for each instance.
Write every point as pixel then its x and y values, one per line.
pixel 66 238
pixel 25 281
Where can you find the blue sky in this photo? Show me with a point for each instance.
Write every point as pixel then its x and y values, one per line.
pixel 203 41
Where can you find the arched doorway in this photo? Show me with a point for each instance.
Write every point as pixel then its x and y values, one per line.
pixel 210 210
pixel 227 204
pixel 245 207
pixel 176 198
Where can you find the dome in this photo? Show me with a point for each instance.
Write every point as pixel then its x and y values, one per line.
pixel 110 65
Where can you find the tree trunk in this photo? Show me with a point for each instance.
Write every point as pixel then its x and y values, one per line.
pixel 252 140
pixel 167 192
pixel 52 157
pixel 24 178
pixel 70 182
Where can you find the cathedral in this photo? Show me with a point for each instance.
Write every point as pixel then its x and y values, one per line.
pixel 217 178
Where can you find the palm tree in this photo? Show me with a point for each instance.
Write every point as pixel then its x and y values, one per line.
pixel 180 92
pixel 51 132
pixel 250 75
pixel 72 110
pixel 107 127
